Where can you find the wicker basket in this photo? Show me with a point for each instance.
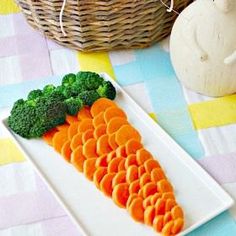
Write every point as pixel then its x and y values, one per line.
pixel 102 24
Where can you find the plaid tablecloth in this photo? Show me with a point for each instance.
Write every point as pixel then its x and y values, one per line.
pixel 204 127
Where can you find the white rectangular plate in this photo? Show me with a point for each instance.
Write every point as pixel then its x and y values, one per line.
pixel 199 195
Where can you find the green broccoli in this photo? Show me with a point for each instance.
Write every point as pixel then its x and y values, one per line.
pixel 89 97
pixel 34 94
pixel 107 90
pixel 48 89
pixel 73 105
pixel 68 80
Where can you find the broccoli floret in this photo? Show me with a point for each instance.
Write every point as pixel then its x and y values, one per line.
pixel 68 79
pixel 73 105
pixel 89 97
pixel 107 90
pixel 34 94
pixel 48 89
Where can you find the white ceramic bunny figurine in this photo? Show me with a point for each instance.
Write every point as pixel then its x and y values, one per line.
pixel 203 47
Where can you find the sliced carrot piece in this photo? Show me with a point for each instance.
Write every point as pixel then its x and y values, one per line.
pixel 85 125
pixel 77 158
pixel 89 168
pixel 158 223
pixel 141 170
pixel 76 141
pixel 160 206
pixel 98 120
pixel 48 136
pixel 103 146
pixel 147 202
pixel 111 155
pixel 130 199
pixel 112 141
pixel 98 175
pixel 106 184
pixel 132 146
pixel 66 151
pixel 120 194
pixel 140 193
pixel 113 165
pixel 131 174
pixel 178 225
pixel 115 123
pixel 62 127
pixel 170 203
pixel 136 209
pixel 121 165
pixel 99 131
pixel 143 155
pixel 167 217
pixel 101 105
pixel 71 119
pixel 164 186
pixel 149 215
pixel 113 112
pixel 130 160
pixel 87 135
pixel 155 197
pixel 151 164
pixel 149 189
pixel 177 212
pixel 120 151
pixel 59 139
pixel 73 130
pixel 157 174
pixel 145 178
pixel 89 148
pixel 119 178
pixel 168 195
pixel 167 228
pixel 134 186
pixel 101 161
pixel 125 133
pixel 84 113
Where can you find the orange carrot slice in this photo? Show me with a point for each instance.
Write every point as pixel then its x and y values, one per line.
pixel 101 161
pixel 120 151
pixel 143 155
pixel 178 225
pixel 62 127
pixel 125 133
pixel 177 212
pixel 106 184
pixel 157 174
pixel 66 151
pixel 98 175
pixel 140 193
pixel 89 168
pixel 84 125
pixel 76 141
pixel 147 202
pixel 59 139
pixel 113 165
pixel 98 120
pixel 134 186
pixel 131 198
pixel 164 186
pixel 87 135
pixel 120 194
pixel 113 112
pixel 158 223
pixel 89 148
pixel 167 228
pixel 84 113
pixel 121 165
pixel 119 178
pixel 48 136
pixel 145 178
pixel 73 130
pixel 111 155
pixel 149 215
pixel 167 217
pixel 71 119
pixel 131 174
pixel 141 170
pixel 154 198
pixel 136 209
pixel 101 105
pixel 160 206
pixel 168 195
pixel 103 146
pixel 115 123
pixel 77 158
pixel 170 203
pixel 112 141
pixel 149 189
pixel 130 160
pixel 132 146
pixel 151 164
pixel 99 131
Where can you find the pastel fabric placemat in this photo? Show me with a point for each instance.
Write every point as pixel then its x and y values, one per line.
pixel 203 126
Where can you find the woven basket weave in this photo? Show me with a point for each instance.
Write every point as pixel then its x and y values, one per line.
pixel 102 25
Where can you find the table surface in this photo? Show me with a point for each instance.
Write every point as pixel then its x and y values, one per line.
pixel 205 127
